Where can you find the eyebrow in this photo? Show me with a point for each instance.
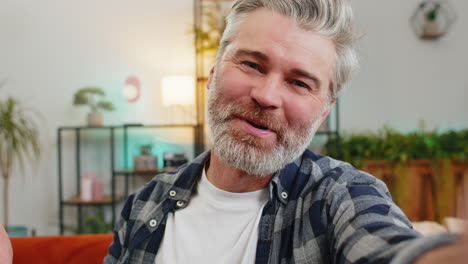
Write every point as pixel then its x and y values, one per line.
pixel 263 57
pixel 251 53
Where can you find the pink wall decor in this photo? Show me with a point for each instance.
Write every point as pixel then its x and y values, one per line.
pixel 132 89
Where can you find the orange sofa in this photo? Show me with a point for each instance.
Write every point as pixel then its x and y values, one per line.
pixel 72 249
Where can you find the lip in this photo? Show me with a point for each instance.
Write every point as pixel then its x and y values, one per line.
pixel 258 123
pixel 257 132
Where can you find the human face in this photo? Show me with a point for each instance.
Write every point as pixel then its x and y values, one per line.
pixel 269 92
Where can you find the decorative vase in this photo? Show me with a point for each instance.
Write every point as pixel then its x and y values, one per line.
pixel 98 191
pixel 86 187
pixel 95 119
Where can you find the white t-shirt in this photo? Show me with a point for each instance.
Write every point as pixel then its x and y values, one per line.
pixel 216 227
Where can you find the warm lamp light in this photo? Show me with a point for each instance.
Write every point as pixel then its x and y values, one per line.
pixel 178 90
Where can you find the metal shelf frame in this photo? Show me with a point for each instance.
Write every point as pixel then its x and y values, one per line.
pixel 114 198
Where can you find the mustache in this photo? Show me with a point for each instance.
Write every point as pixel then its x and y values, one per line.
pixel 255 113
pixel 221 111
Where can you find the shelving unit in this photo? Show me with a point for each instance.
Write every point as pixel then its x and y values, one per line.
pixel 114 197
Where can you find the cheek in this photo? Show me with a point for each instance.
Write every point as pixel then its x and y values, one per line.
pixel 302 113
pixel 233 85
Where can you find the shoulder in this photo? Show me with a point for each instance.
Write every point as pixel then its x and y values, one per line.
pixel 331 176
pixel 155 192
pixel 344 173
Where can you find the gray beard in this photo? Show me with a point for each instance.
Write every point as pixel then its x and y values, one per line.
pixel 243 152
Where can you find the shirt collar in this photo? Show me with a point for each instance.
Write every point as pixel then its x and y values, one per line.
pixel 283 184
pixel 189 176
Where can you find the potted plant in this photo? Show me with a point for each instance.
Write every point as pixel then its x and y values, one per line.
pixel 90 96
pixel 19 140
pixel 423 169
pixel 431 28
pixel 94 222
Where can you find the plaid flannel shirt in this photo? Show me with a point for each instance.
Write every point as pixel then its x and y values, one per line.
pixel 320 211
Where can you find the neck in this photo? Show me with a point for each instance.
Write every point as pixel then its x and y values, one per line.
pixel 231 179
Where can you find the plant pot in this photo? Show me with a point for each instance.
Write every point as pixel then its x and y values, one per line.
pixel 383 170
pixel 431 30
pixel 460 170
pixel 424 189
pixel 95 119
pixel 445 190
pixel 414 189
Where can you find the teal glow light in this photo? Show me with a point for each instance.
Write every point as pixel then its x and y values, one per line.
pixel 159 143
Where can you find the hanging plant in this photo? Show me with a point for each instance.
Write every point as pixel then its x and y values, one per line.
pixel 432 19
pixel 432 13
pixel 431 28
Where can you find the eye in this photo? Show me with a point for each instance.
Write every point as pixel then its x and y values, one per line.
pixel 252 65
pixel 300 84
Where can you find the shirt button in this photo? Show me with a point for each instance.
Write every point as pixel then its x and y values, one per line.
pixel 153 223
pixel 172 193
pixel 180 204
pixel 284 195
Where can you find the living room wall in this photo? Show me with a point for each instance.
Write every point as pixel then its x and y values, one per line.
pixel 404 79
pixel 49 49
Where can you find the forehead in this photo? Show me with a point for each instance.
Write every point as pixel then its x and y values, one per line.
pixel 282 40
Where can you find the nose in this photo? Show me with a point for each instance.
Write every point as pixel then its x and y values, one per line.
pixel 267 93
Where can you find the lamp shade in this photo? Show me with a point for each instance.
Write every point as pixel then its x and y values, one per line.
pixel 178 90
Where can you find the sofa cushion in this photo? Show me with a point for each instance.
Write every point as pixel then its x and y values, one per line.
pixel 72 249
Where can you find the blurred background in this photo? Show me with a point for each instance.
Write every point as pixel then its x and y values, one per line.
pixel 143 66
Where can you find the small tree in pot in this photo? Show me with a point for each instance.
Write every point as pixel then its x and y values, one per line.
pixel 90 96
pixel 19 139
pixel 431 28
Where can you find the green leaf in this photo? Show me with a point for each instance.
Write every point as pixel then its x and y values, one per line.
pixel 19 135
pixel 388 144
pixel 106 105
pixel 89 96
pixel 91 90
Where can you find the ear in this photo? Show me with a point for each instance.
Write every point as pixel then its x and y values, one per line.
pixel 210 77
pixel 327 111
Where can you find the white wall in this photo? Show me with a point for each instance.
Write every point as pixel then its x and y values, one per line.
pixel 404 79
pixel 49 49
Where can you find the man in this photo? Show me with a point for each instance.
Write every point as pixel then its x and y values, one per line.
pixel 259 196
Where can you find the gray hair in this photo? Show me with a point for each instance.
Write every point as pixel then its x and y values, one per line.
pixel 332 18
